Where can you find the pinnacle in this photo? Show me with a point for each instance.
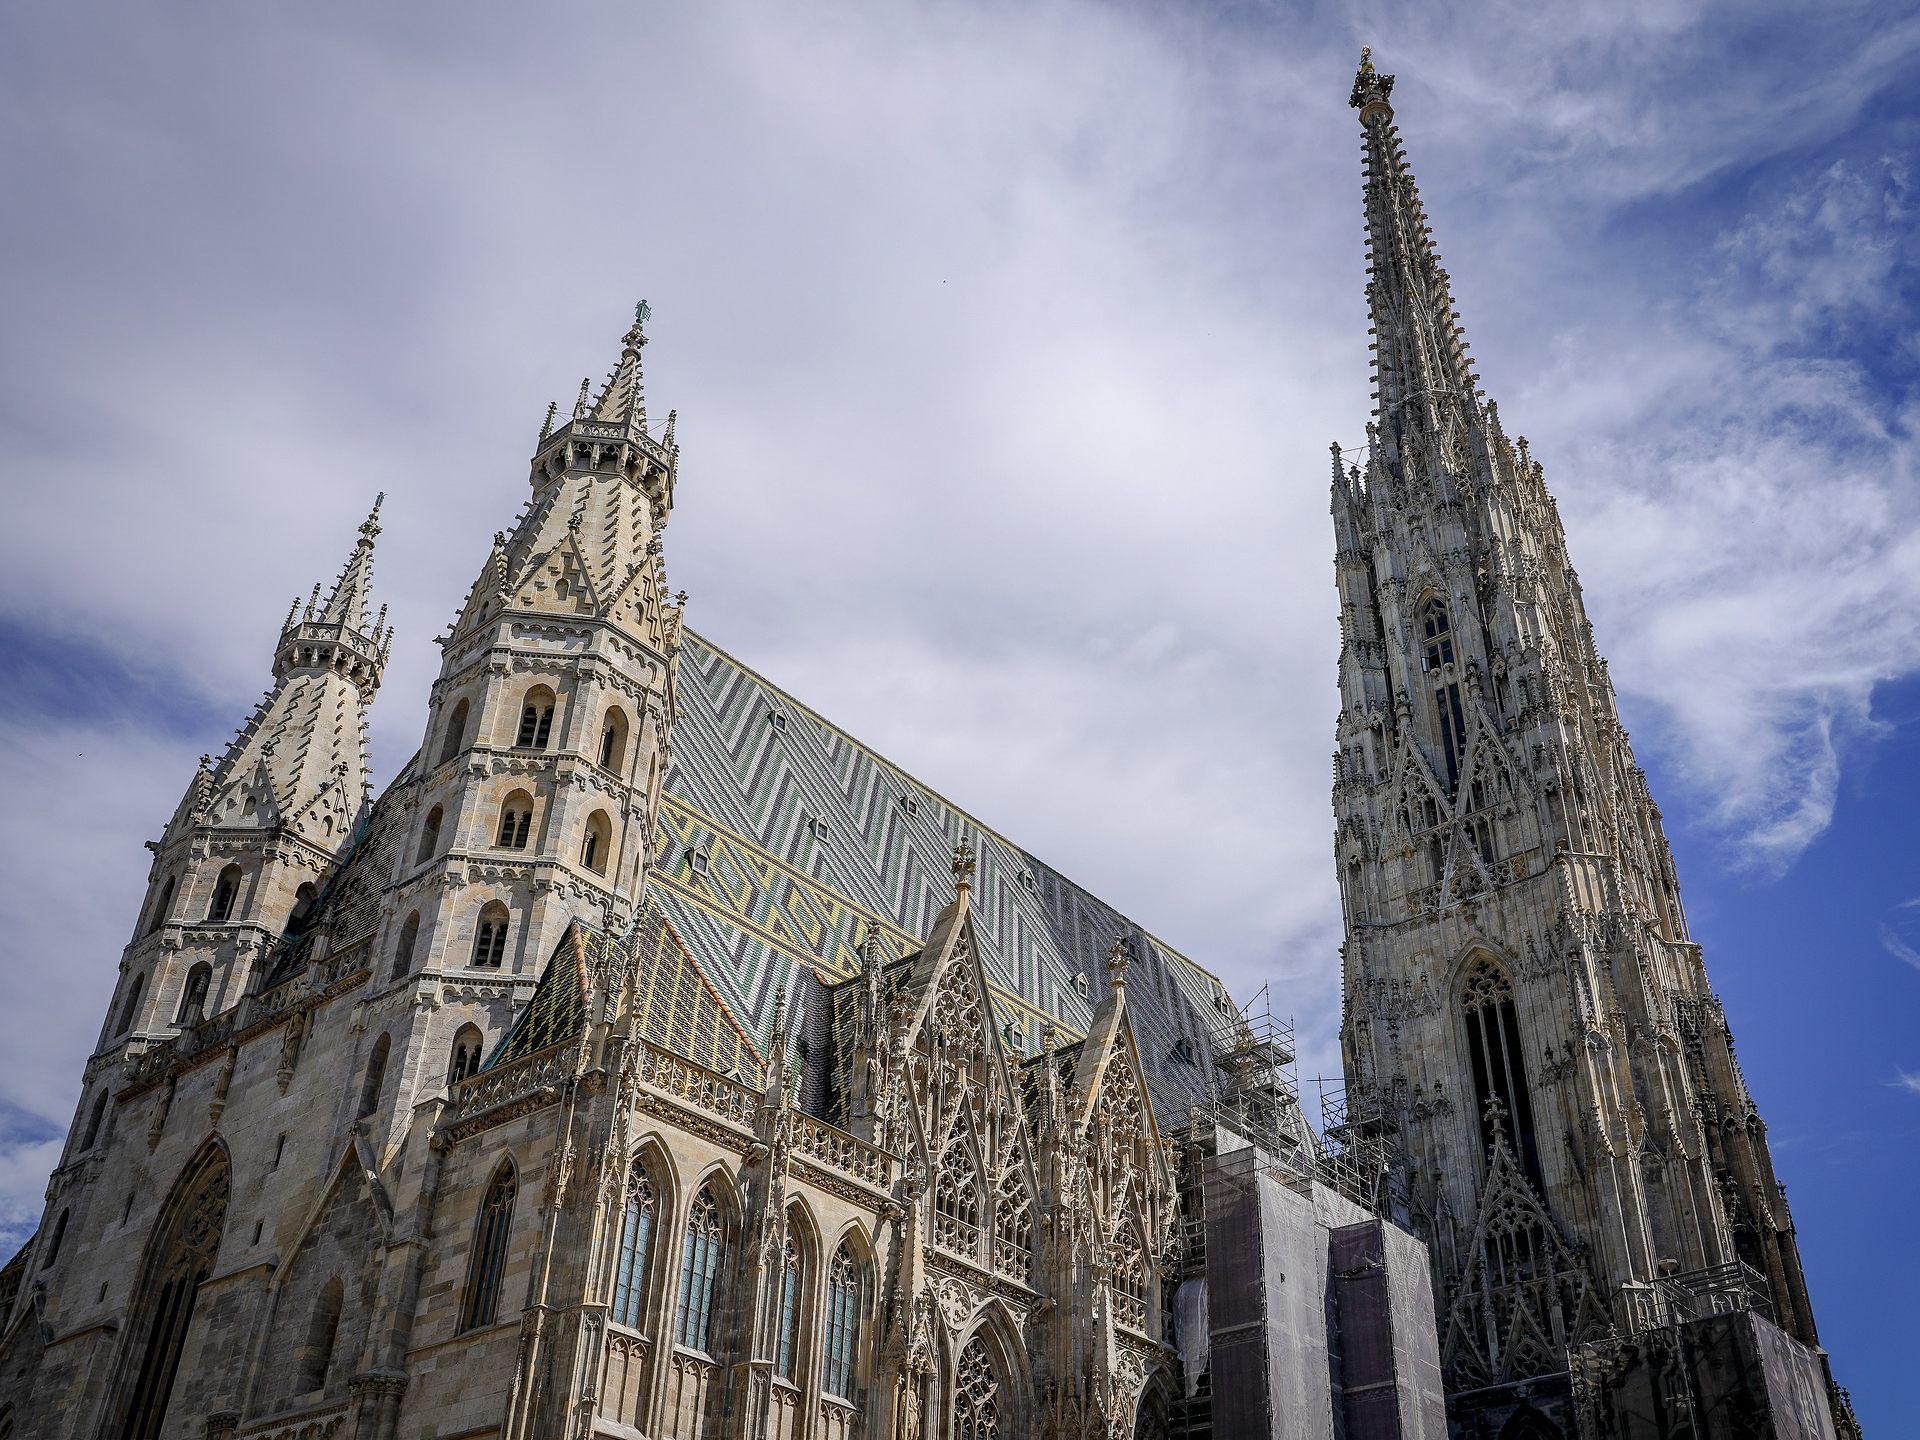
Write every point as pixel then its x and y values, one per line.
pixel 347 604
pixel 622 401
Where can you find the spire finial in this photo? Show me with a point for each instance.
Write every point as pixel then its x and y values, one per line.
pixel 370 527
pixel 963 867
pixel 546 425
pixel 580 405
pixel 1119 961
pixel 1370 89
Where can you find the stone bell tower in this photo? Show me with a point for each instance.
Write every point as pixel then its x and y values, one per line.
pixel 1524 1009
pixel 536 790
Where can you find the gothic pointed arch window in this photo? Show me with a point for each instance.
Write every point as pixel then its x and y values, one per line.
pixel 1503 1097
pixel 536 719
pixel 178 1263
pixel 516 821
pixel 226 891
pixel 52 1251
pixel 409 942
pixel 464 1059
pixel 193 996
pixel 490 936
pixel 1013 1226
pixel 157 916
pixel 304 901
pixel 487 1264
pixel 956 1200
pixel 701 1258
pixel 786 1340
pixel 846 1314
pixel 636 1249
pixel 95 1117
pixel 979 1398
pixel 454 737
pixel 375 1079
pixel 315 1356
pixel 613 739
pixel 1436 659
pixel 429 836
pixel 1128 1258
pixel 130 1009
pixel 597 845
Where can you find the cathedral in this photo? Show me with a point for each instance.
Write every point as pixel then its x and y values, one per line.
pixel 652 1060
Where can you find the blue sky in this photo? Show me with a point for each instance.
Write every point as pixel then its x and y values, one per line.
pixel 1008 341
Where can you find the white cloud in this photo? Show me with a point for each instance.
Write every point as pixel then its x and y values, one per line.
pixel 1905 1081
pixel 1007 341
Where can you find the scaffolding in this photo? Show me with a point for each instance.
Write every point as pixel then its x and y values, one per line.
pixel 1356 1149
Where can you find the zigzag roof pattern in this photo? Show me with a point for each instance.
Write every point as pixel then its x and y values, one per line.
pixel 783 838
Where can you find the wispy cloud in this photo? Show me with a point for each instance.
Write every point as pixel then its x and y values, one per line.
pixel 1909 1082
pixel 1007 341
pixel 1898 948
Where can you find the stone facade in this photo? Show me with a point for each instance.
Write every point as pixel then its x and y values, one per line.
pixel 1525 1013
pixel 650 1059
pixel 577 1086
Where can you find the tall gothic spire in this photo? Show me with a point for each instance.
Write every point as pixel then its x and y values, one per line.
pixel 1421 368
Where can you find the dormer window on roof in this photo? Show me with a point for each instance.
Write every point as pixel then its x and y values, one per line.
pixel 1082 987
pixel 909 804
pixel 778 719
pixel 819 829
pixel 698 861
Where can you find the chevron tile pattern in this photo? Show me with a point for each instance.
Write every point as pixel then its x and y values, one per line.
pixel 783 837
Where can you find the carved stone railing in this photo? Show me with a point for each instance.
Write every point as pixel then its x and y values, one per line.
pixel 696 1086
pixel 1694 1295
pixel 319 1423
pixel 495 1096
pixel 832 1147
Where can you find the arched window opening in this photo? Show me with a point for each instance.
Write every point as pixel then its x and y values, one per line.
pixel 613 739
pixel 376 1078
pixel 786 1347
pixel 226 890
pixel 323 1329
pixel 91 1136
pixel 454 737
pixel 636 1250
pixel 304 900
pixel 193 997
pixel 409 940
pixel 465 1058
pixel 158 915
pixel 598 843
pixel 956 1202
pixel 488 1267
pixel 516 821
pixel 700 1272
pixel 1013 1226
pixel 536 719
pixel 1505 1101
pixel 162 1313
pixel 977 1402
pixel 846 1306
pixel 130 1011
pixel 429 836
pixel 1129 1260
pixel 54 1241
pixel 490 936
pixel 1449 716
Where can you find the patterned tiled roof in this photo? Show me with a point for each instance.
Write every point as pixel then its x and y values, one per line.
pixel 783 838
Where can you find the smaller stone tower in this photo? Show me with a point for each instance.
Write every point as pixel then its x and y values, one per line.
pixel 240 862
